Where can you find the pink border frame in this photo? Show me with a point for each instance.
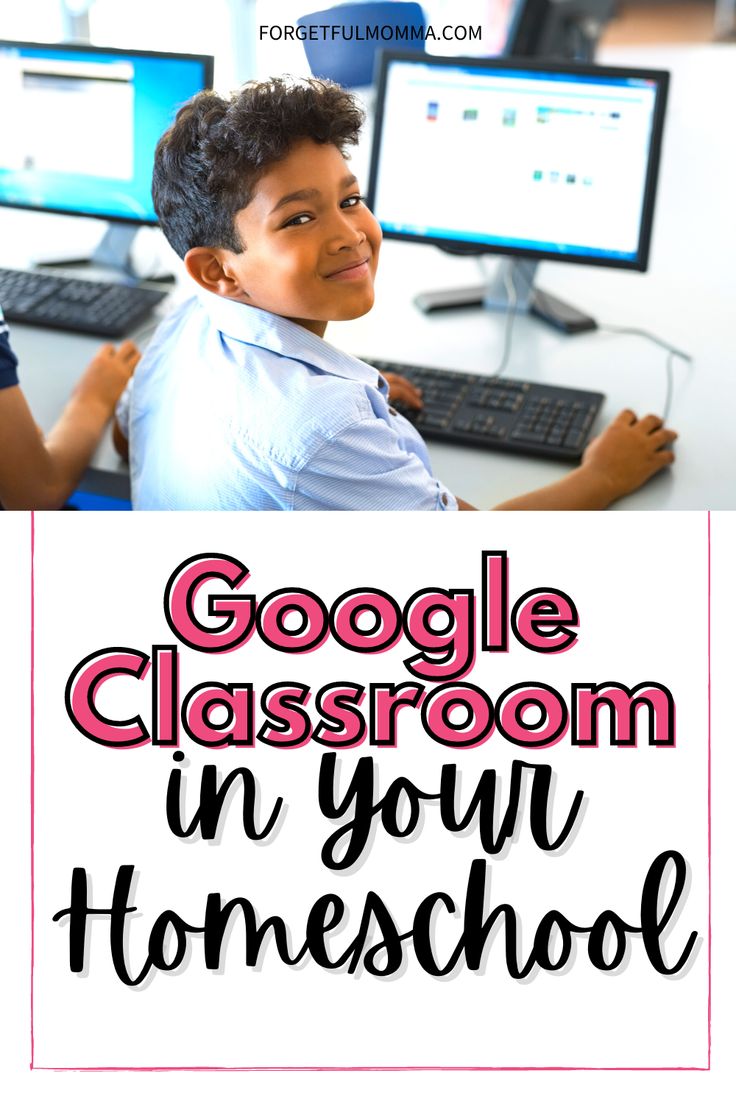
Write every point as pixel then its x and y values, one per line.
pixel 349 1069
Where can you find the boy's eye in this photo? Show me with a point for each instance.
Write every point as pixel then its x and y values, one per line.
pixel 304 219
pixel 298 220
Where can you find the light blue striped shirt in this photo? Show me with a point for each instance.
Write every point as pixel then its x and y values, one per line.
pixel 234 408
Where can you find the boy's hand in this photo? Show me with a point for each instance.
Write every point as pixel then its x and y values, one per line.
pixel 628 452
pixel 402 390
pixel 107 374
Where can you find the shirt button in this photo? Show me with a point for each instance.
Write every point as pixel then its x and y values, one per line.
pixel 444 499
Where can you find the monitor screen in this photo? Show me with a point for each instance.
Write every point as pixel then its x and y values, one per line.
pixel 81 125
pixel 540 160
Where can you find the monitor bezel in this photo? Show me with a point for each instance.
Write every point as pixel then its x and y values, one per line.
pixel 207 60
pixel 661 78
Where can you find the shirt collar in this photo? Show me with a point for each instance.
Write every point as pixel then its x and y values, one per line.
pixel 254 326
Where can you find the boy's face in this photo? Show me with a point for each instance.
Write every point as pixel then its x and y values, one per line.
pixel 311 244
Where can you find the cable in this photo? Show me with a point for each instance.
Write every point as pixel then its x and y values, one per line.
pixel 512 303
pixel 672 352
pixel 669 387
pixel 636 331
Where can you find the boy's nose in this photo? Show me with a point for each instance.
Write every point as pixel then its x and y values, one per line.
pixel 347 236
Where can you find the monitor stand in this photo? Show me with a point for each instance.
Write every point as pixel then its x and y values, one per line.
pixel 113 251
pixel 516 277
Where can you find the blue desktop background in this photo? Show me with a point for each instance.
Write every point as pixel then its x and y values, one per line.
pixel 161 85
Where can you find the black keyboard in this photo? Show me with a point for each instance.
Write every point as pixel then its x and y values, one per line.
pixel 85 306
pixel 499 413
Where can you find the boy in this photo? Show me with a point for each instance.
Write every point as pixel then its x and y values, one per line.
pixel 240 403
pixel 41 474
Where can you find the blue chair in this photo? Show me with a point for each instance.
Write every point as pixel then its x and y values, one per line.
pixel 349 60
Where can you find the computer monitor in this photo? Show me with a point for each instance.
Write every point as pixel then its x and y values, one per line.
pixel 565 29
pixel 534 161
pixel 81 125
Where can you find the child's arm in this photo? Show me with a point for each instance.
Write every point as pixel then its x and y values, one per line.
pixel 38 474
pixel 620 460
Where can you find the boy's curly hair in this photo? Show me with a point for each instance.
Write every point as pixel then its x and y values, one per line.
pixel 208 163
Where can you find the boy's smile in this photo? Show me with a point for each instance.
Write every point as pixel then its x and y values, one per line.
pixel 310 243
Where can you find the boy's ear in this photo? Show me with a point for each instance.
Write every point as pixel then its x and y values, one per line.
pixel 205 266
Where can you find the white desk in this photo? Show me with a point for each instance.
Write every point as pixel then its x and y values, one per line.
pixel 687 297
